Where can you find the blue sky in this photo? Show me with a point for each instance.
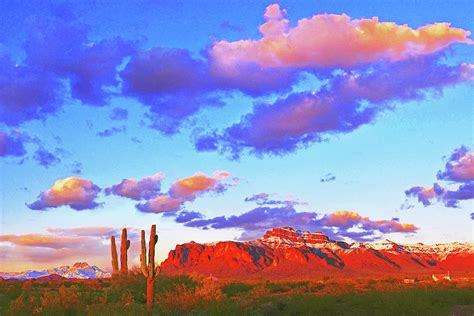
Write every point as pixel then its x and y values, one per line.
pixel 401 144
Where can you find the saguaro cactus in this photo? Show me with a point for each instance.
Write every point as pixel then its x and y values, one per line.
pixel 113 248
pixel 149 270
pixel 124 245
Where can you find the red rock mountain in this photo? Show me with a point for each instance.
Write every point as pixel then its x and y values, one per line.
pixel 285 252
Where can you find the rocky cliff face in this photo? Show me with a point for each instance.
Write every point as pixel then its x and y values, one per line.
pixel 285 252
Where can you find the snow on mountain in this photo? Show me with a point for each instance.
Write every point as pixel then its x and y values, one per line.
pixel 288 252
pixel 80 270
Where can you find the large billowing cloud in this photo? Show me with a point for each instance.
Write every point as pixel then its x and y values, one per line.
pixel 330 41
pixel 11 145
pixel 58 50
pixel 77 193
pixel 26 93
pixel 348 101
pixel 146 188
pixel 186 190
pixel 459 170
pixel 340 224
pixel 460 166
pixel 61 47
pixel 171 82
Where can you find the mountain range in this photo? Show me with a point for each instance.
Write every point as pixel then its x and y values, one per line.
pixel 285 252
pixel 80 270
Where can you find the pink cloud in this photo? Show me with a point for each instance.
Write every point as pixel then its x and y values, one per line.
pixel 145 188
pixel 75 192
pixel 460 166
pixel 186 190
pixel 44 241
pixel 161 204
pixel 335 225
pixel 330 40
pixel 348 219
pixel 94 231
pixel 62 246
pixel 347 101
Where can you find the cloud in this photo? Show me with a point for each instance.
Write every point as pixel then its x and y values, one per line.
pixel 26 93
pixel 186 216
pixel 171 83
pixel 76 167
pixel 59 58
pixel 227 26
pixel 11 145
pixel 146 188
pixel 92 231
pixel 111 131
pixel 77 193
pixel 329 177
pixel 437 193
pixel 264 199
pixel 62 246
pixel 460 166
pixel 42 240
pixel 340 224
pixel 46 158
pixel 459 170
pixel 347 101
pixel 186 190
pixel 62 47
pixel 330 41
pixel 119 114
pixel 161 204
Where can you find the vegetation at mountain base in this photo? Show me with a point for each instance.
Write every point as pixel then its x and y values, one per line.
pixel 197 295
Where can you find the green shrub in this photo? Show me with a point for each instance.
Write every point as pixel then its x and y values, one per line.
pixel 233 289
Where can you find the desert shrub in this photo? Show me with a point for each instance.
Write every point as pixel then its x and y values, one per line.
pixel 260 290
pixel 127 298
pixel 167 283
pixel 232 289
pixel 209 291
pixel 117 309
pixel 20 306
pixel 181 298
pixel 276 287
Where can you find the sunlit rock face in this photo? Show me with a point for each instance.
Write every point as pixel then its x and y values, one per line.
pixel 285 252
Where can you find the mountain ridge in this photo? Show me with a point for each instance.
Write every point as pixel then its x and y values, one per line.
pixel 79 270
pixel 288 252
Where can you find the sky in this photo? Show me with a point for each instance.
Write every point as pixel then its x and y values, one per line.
pixel 219 120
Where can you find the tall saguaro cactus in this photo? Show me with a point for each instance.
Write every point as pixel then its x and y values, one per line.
pixel 124 245
pixel 149 270
pixel 113 248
